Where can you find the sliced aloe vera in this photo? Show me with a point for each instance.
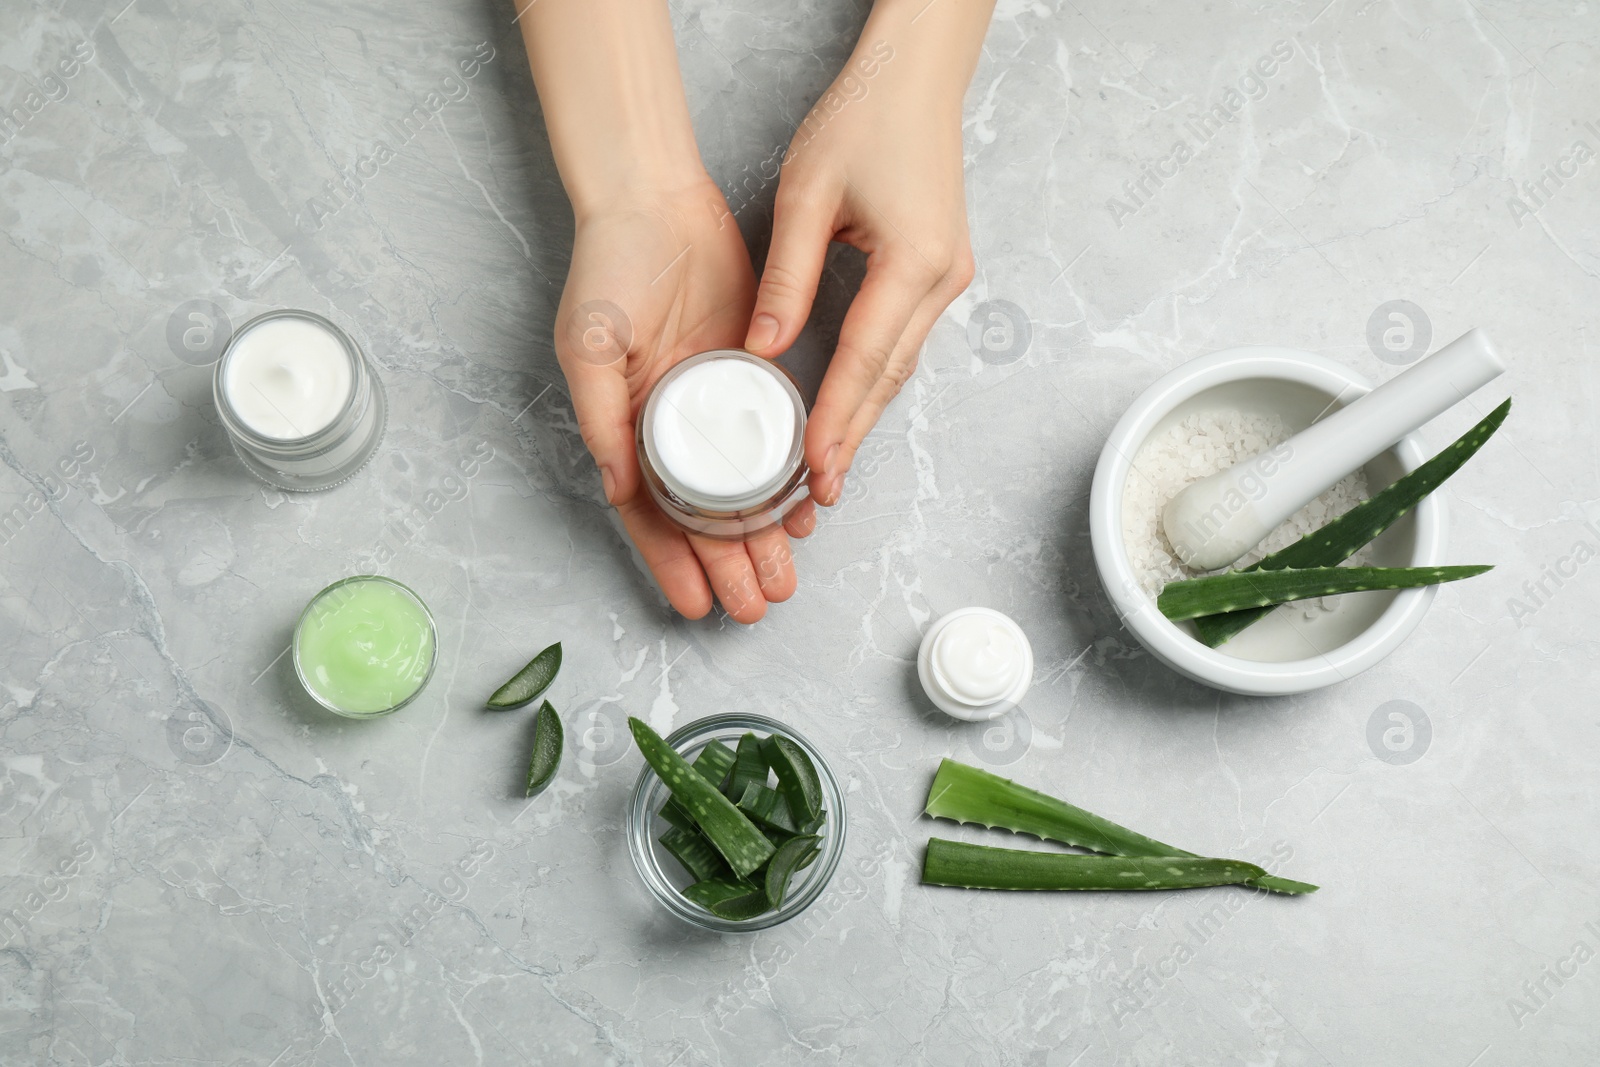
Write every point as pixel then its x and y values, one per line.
pixel 750 766
pixel 796 853
pixel 1216 593
pixel 526 685
pixel 956 863
pixel 970 795
pixel 724 825
pixel 695 854
pixel 713 764
pixel 729 899
pixel 768 807
pixel 547 741
pixel 797 778
pixel 1341 538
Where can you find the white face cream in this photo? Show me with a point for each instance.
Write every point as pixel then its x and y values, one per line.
pixel 720 444
pixel 724 429
pixel 287 377
pixel 299 400
pixel 975 663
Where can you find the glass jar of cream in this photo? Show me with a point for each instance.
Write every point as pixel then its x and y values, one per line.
pixel 721 444
pixel 299 400
pixel 975 664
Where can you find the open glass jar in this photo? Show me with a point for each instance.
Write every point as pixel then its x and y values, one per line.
pixel 299 400
pixel 721 441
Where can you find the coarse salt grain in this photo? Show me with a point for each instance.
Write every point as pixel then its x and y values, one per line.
pixel 1198 446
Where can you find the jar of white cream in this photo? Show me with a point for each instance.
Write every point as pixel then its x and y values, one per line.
pixel 721 442
pixel 299 400
pixel 975 664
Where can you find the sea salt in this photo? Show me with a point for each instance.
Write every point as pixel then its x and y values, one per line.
pixel 1199 446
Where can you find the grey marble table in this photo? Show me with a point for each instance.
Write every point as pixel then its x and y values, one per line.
pixel 198 867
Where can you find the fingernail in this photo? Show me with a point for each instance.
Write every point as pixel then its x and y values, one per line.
pixel 609 484
pixel 835 489
pixel 827 461
pixel 763 331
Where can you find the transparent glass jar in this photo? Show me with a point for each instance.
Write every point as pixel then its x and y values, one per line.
pixel 733 517
pixel 321 459
pixel 661 873
pixel 339 593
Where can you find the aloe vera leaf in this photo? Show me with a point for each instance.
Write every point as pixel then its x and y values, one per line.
pixel 713 763
pixel 729 899
pixel 725 826
pixel 750 766
pixel 956 863
pixel 796 853
pixel 547 741
pixel 969 795
pixel 1341 538
pixel 768 807
pixel 695 854
pixel 1215 593
pixel 797 777
pixel 526 685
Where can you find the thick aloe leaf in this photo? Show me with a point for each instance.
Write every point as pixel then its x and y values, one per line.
pixel 956 863
pixel 1216 593
pixel 970 795
pixel 725 826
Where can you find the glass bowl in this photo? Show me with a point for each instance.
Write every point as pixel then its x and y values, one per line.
pixel 660 871
pixel 335 590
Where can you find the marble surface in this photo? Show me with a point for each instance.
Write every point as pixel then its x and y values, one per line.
pixel 198 867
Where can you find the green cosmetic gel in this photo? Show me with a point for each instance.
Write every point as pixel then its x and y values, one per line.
pixel 364 646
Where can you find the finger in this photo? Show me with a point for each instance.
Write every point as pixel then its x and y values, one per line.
pixel 894 288
pixel 668 554
pixel 802 228
pixel 902 365
pixel 733 578
pixel 774 564
pixel 802 520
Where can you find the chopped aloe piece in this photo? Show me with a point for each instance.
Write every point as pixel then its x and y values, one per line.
pixel 695 854
pixel 970 795
pixel 956 863
pixel 1253 589
pixel 547 740
pixel 724 825
pixel 729 899
pixel 796 853
pixel 526 685
pixel 768 807
pixel 750 766
pixel 797 778
pixel 714 762
pixel 1341 538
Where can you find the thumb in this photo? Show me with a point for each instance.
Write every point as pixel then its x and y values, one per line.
pixel 802 227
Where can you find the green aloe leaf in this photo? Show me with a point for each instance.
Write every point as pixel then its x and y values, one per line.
pixel 526 685
pixel 547 741
pixel 1218 593
pixel 956 863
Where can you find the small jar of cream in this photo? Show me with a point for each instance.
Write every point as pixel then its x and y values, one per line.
pixel 299 400
pixel 975 664
pixel 721 444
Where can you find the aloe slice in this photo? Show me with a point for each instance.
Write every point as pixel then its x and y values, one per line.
pixel 728 899
pixel 768 807
pixel 797 778
pixel 547 741
pixel 956 863
pixel 695 854
pixel 713 764
pixel 1217 593
pixel 796 853
pixel 526 685
pixel 725 826
pixel 750 767
pixel 1341 538
pixel 969 795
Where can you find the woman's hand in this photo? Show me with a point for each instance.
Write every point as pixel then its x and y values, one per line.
pixel 877 164
pixel 656 278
